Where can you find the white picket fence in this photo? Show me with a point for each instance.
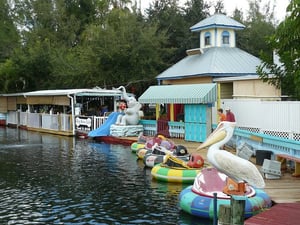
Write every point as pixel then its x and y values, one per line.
pixel 276 118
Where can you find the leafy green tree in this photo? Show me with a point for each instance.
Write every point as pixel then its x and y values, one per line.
pixel 47 27
pixel 195 11
pixel 31 67
pixel 219 7
pixel 8 83
pixel 31 59
pixel 241 36
pixel 238 15
pixel 9 40
pixel 259 26
pixel 78 43
pixel 285 41
pixel 121 49
pixel 9 37
pixel 169 19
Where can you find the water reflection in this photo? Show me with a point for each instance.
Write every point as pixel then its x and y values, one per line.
pixel 48 179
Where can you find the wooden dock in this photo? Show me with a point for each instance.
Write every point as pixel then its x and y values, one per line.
pixel 279 214
pixel 284 192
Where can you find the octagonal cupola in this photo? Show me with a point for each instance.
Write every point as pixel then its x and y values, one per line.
pixel 217 31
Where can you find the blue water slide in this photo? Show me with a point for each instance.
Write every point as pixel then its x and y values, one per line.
pixel 104 129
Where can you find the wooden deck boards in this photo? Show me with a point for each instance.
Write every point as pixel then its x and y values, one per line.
pixel 284 192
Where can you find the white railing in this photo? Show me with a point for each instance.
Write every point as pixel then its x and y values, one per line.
pixel 99 121
pixel 23 118
pixel 65 122
pixel 34 120
pixel 176 129
pixel 275 118
pixel 266 125
pixel 12 118
pixel 150 127
pixel 55 122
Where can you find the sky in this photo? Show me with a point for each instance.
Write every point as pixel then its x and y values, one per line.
pixel 230 5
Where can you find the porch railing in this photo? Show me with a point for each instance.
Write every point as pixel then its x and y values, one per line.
pixel 55 122
pixel 259 141
pixel 175 129
pixel 99 121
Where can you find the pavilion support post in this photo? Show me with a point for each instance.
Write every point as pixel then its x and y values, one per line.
pixel 157 111
pixel 171 112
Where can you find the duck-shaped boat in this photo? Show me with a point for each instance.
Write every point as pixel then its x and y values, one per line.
pixel 231 175
pixel 177 170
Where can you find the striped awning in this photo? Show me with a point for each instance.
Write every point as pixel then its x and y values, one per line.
pixel 180 94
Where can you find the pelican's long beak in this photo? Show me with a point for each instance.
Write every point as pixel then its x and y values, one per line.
pixel 218 135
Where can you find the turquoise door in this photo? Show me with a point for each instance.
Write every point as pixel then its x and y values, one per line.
pixel 197 122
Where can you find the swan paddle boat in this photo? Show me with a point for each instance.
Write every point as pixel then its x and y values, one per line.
pixel 231 175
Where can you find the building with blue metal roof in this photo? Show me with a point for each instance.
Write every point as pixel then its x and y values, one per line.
pixel 217 21
pixel 217 61
pixel 213 62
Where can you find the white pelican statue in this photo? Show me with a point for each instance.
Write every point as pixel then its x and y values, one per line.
pixel 238 169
